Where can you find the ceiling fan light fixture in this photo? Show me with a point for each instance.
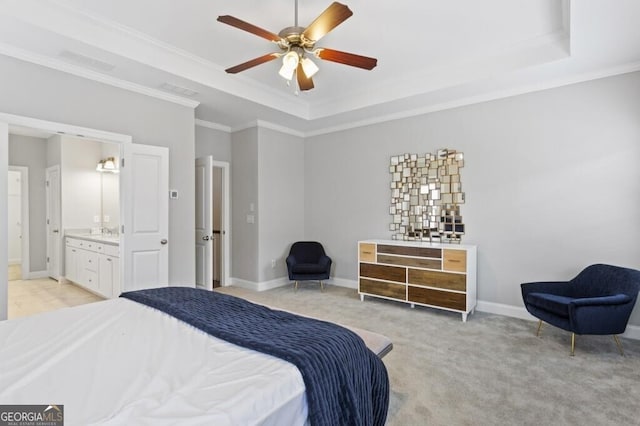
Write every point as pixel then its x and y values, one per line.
pixel 309 67
pixel 289 64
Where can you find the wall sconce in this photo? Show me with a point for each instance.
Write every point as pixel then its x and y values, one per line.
pixel 108 165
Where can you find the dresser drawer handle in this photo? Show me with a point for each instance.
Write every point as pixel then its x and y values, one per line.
pixel 454 261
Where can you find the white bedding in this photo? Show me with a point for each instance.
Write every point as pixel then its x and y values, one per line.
pixel 121 363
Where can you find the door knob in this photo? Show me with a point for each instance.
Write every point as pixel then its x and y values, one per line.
pixel 163 241
pixel 206 238
pixel 55 231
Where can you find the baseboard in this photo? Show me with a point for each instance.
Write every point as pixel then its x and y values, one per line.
pixel 283 281
pixel 34 275
pixel 632 332
pixel 260 286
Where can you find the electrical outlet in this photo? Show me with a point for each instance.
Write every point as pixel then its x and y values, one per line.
pixel 96 219
pixel 273 263
pixel 106 218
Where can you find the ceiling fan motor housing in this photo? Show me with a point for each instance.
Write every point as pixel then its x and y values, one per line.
pixel 292 36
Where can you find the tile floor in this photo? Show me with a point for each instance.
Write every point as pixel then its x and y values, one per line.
pixel 30 297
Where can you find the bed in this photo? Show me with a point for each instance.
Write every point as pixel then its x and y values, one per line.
pixel 125 361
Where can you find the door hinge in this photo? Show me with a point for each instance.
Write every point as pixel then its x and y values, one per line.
pixel 47 221
pixel 47 259
pixel 47 183
pixel 121 162
pixel 122 229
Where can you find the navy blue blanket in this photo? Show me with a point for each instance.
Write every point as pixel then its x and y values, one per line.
pixel 346 383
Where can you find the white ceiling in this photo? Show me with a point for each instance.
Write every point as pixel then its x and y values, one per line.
pixel 432 54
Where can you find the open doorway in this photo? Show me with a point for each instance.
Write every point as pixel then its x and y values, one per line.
pixel 18 222
pixel 212 223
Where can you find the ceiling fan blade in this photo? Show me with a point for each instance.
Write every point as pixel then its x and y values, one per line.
pixel 347 58
pixel 252 63
pixel 304 82
pixel 245 26
pixel 333 16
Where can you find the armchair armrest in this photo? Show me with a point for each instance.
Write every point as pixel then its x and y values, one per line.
pixel 616 299
pixel 325 261
pixel 291 260
pixel 559 288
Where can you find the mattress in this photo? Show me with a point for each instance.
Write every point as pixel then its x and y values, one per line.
pixel 118 362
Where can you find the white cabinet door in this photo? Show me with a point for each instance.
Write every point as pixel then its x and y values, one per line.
pixel 71 264
pixel 145 208
pixel 109 272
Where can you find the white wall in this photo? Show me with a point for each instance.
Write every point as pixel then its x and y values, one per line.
pixel 4 169
pixel 213 142
pixel 281 199
pixel 244 193
pixel 551 179
pixel 31 152
pixel 34 91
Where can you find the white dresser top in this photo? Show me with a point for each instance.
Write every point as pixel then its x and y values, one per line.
pixel 423 244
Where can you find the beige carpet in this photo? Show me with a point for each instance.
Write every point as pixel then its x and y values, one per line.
pixel 491 370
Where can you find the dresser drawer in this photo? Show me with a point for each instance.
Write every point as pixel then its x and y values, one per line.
pixel 447 299
pixel 382 272
pixel 410 251
pixel 455 260
pixel 367 252
pixel 443 280
pixel 380 288
pixel 418 262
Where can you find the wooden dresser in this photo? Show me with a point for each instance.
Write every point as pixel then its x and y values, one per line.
pixel 436 275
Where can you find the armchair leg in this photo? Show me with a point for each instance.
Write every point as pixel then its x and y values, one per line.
pixel 321 286
pixel 539 328
pixel 573 343
pixel 618 344
pixel 295 288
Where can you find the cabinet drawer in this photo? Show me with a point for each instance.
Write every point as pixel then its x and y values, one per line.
pixel 111 250
pixel 367 252
pixel 410 261
pixel 91 261
pixel 410 251
pixel 446 299
pixel 382 272
pixel 72 242
pixel 438 279
pixel 91 279
pixel 396 291
pixel 455 260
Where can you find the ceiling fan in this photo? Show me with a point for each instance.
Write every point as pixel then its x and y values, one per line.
pixel 298 43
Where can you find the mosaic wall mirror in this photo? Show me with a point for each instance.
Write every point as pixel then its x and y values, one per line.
pixel 426 193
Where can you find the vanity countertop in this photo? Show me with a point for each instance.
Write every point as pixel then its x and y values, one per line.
pixel 98 238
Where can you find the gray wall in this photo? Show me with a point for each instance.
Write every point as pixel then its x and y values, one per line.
pixel 281 199
pixel 551 180
pixel 244 192
pixel 213 142
pixel 35 91
pixel 32 153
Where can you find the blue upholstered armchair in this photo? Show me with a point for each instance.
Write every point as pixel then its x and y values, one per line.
pixel 599 300
pixel 307 261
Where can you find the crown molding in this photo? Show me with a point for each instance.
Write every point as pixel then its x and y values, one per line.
pixel 212 125
pixel 486 97
pixel 269 125
pixel 78 71
pixel 97 31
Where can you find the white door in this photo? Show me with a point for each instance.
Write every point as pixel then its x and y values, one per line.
pixel 145 213
pixel 53 221
pixel 204 223
pixel 14 212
